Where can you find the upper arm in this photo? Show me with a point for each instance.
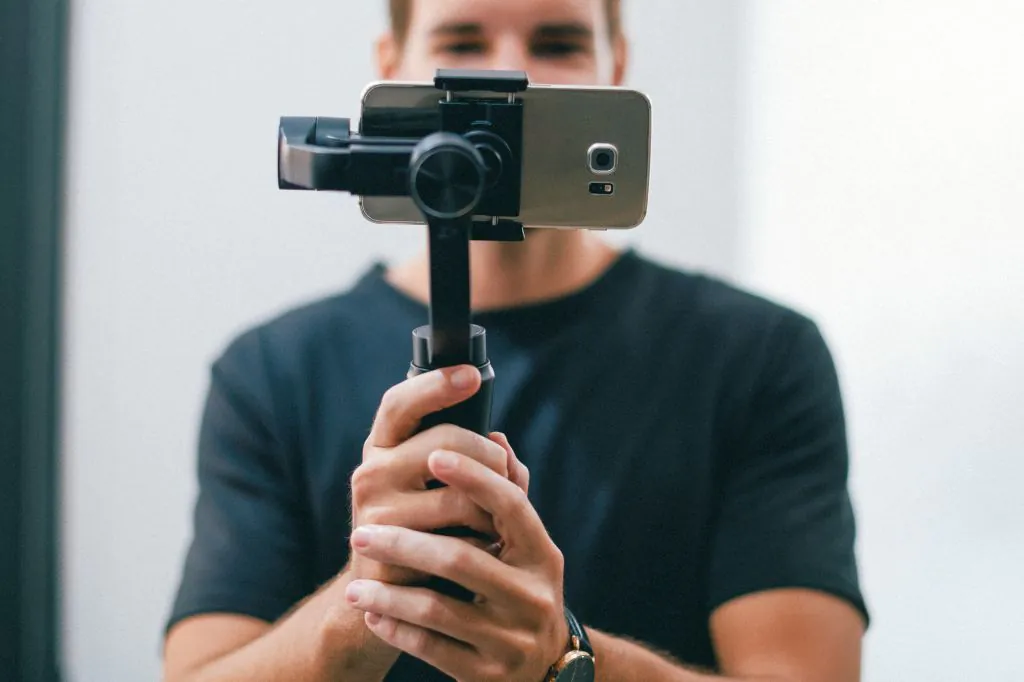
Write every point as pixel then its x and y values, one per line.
pixel 249 561
pixel 785 593
pixel 790 635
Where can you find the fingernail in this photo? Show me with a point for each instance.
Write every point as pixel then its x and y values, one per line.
pixel 354 592
pixel 463 378
pixel 372 618
pixel 361 537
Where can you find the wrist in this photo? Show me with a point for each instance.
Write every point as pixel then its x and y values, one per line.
pixel 576 659
pixel 345 646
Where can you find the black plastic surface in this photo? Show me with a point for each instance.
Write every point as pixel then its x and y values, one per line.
pixel 465 80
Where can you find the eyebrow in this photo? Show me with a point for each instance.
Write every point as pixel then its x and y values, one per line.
pixel 564 30
pixel 456 29
pixel 545 31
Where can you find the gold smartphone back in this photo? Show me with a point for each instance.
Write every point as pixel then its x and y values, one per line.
pixel 569 133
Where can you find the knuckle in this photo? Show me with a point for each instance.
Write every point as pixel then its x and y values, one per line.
pixel 557 560
pixel 391 629
pixel 390 404
pixel 519 652
pixel 517 504
pixel 390 399
pixel 373 516
pixel 538 603
pixel 433 611
pixel 543 605
pixel 500 670
pixel 420 642
pixel 496 671
pixel 451 561
pixel 550 607
pixel 361 482
pixel 366 480
pixel 524 475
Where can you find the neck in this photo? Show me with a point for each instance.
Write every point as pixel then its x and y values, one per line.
pixel 549 264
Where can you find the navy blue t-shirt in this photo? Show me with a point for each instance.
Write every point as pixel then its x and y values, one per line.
pixel 685 440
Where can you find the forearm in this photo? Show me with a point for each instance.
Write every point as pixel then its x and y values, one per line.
pixel 621 660
pixel 322 639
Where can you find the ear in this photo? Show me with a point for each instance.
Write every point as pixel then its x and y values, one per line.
pixel 389 56
pixel 620 56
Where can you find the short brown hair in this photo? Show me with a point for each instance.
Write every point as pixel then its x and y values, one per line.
pixel 401 10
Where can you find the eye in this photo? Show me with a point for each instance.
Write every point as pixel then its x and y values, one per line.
pixel 466 47
pixel 557 49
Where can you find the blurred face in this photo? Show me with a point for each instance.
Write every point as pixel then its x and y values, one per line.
pixel 554 41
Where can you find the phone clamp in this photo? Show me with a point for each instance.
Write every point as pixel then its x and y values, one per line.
pixel 461 163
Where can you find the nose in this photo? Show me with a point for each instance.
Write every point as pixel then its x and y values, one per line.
pixel 509 54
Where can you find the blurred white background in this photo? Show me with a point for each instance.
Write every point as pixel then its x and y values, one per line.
pixel 861 161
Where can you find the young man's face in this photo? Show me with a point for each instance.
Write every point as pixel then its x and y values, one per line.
pixel 554 41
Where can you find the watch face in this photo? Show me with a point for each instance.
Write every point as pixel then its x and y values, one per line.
pixel 579 669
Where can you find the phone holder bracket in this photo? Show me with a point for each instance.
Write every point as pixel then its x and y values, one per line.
pixel 465 178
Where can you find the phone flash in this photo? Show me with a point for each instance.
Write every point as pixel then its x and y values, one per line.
pixel 605 189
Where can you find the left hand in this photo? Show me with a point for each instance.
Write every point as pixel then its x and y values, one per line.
pixel 515 629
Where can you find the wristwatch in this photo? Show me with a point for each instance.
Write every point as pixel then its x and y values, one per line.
pixel 577 663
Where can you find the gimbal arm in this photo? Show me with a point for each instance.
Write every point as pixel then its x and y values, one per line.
pixel 323 154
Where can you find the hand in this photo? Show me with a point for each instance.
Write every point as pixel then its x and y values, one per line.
pixel 515 629
pixel 390 486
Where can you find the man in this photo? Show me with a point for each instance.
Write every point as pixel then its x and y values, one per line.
pixel 671 466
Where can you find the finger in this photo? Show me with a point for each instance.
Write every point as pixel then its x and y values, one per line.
pixel 517 471
pixel 424 608
pixel 410 461
pixel 428 510
pixel 515 518
pixel 404 405
pixel 455 659
pixel 445 557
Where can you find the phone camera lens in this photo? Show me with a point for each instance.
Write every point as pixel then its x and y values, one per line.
pixel 602 158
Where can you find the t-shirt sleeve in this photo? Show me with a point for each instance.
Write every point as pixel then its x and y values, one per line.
pixel 249 548
pixel 785 516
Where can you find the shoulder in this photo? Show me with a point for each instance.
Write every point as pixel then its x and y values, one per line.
pixel 745 349
pixel 719 311
pixel 309 329
pixel 324 349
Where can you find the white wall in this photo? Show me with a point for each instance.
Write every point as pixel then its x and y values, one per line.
pixel 883 192
pixel 178 238
pixel 876 171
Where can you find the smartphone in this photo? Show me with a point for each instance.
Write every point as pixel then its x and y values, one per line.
pixel 586 152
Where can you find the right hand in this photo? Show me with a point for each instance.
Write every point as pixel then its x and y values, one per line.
pixel 390 486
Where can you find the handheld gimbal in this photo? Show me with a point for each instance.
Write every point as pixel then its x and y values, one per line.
pixel 466 180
